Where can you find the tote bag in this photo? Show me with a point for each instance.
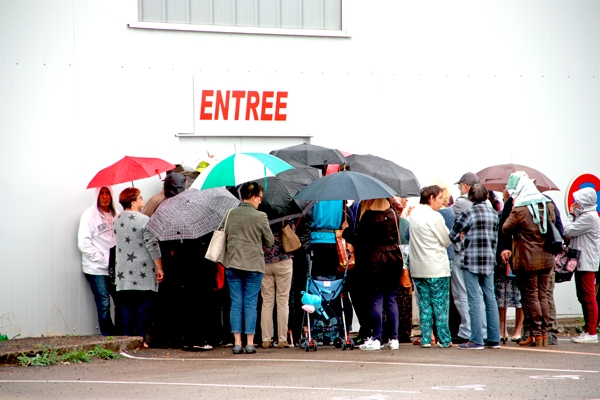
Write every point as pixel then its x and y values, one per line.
pixel 289 239
pixel 216 247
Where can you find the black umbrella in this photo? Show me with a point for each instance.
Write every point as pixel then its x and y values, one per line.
pixel 402 180
pixel 280 190
pixel 309 154
pixel 346 185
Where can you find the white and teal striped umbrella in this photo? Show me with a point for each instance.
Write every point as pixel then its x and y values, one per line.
pixel 240 168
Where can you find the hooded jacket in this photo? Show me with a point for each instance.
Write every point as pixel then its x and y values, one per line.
pixel 584 230
pixel 95 238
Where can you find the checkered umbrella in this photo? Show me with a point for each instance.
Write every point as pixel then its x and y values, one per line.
pixel 191 214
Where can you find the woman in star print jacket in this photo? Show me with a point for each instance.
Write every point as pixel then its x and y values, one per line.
pixel 138 264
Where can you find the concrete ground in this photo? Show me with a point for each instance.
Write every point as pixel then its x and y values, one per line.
pixel 566 371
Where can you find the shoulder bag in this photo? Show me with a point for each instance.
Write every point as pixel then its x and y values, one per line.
pixel 566 263
pixel 289 239
pixel 405 279
pixel 216 247
pixel 553 241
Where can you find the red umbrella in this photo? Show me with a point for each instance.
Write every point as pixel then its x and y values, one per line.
pixel 496 177
pixel 129 169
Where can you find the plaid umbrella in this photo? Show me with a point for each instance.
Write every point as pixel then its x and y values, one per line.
pixel 191 214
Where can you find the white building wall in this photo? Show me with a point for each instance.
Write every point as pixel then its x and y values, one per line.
pixel 439 87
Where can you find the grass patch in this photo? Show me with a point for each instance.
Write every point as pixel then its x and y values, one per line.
pixel 104 353
pixel 51 356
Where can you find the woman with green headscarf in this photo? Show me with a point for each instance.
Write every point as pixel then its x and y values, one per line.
pixel 532 263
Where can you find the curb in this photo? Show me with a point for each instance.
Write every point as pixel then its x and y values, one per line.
pixel 9 356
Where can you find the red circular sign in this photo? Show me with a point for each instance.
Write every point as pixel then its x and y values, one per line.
pixel 580 182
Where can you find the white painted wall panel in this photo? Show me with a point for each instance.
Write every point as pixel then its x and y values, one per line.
pixel 441 88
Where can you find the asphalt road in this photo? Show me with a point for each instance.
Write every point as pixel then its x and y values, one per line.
pixel 566 371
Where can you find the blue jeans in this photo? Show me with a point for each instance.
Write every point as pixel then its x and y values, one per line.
pixel 391 307
pixel 99 285
pixel 486 282
pixel 244 287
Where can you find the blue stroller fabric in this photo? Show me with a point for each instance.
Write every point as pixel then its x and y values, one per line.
pixel 327 324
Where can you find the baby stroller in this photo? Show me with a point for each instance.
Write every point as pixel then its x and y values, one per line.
pixel 325 325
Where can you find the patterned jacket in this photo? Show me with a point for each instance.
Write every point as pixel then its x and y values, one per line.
pixel 480 224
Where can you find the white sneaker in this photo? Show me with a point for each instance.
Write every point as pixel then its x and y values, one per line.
pixel 371 345
pixel 585 338
pixel 393 344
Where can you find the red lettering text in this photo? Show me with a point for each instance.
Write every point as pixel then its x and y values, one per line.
pixel 206 103
pixel 280 105
pixel 269 110
pixel 238 95
pixel 266 104
pixel 253 100
pixel 222 105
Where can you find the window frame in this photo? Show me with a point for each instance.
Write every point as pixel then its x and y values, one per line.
pixel 342 33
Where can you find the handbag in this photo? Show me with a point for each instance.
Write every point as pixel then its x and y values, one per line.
pixel 289 239
pixel 112 273
pixel 553 242
pixel 216 247
pixel 405 278
pixel 565 264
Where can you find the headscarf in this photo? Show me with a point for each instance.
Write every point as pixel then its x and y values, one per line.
pixel 525 194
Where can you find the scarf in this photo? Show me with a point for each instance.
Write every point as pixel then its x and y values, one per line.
pixel 524 192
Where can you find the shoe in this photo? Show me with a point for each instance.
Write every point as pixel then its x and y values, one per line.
pixel 417 341
pixel 585 338
pixel 492 345
pixel 237 349
pixel 283 344
pixel 371 345
pixel 552 340
pixel 266 345
pixel 539 341
pixel 425 345
pixel 194 349
pixel 358 341
pixel 250 349
pixel 516 339
pixel 459 340
pixel 393 344
pixel 444 346
pixel 529 341
pixel 470 346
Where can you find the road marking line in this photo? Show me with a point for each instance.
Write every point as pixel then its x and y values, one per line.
pixel 237 360
pixel 551 351
pixel 330 389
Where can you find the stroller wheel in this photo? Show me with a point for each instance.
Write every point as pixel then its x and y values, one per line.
pixel 343 346
pixel 303 343
pixel 337 342
pixel 351 344
pixel 315 346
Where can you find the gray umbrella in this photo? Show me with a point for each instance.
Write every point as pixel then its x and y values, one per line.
pixel 191 214
pixel 280 189
pixel 346 185
pixel 309 154
pixel 402 180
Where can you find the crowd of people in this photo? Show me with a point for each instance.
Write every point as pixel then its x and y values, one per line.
pixel 470 259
